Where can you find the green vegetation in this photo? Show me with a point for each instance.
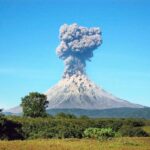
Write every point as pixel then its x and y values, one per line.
pixel 146 129
pixel 1 115
pixel 10 130
pixel 68 126
pixel 99 133
pixel 76 133
pixel 34 105
pixel 129 131
pixel 65 116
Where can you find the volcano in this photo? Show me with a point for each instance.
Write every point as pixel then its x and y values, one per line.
pixel 78 91
pixel 75 90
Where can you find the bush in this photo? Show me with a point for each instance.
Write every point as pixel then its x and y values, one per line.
pixel 62 115
pixel 134 122
pixel 99 133
pixel 84 117
pixel 67 126
pixel 131 132
pixel 10 130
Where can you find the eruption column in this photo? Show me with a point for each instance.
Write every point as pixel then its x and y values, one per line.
pixel 77 44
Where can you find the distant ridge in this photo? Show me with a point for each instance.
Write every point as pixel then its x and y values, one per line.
pixel 107 113
pixel 104 113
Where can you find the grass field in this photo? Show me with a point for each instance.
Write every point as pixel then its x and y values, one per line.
pixel 76 144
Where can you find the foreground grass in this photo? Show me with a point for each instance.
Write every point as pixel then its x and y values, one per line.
pixel 77 144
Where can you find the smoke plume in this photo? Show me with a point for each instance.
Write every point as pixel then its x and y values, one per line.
pixel 77 44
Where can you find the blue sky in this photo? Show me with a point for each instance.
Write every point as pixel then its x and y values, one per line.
pixel 29 36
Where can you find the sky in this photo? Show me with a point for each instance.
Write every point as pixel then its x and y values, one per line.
pixel 29 32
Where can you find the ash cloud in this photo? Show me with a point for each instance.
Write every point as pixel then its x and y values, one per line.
pixel 76 46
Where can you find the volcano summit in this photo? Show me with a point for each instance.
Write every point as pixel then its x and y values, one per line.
pixel 75 90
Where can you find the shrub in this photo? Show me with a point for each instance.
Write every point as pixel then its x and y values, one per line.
pixel 132 131
pixel 99 133
pixel 84 117
pixel 66 126
pixel 134 122
pixel 62 115
pixel 10 130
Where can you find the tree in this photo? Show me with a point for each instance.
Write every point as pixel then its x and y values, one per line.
pixel 34 105
pixel 1 114
pixel 1 111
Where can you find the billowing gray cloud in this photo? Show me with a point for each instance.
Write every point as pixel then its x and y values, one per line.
pixel 76 46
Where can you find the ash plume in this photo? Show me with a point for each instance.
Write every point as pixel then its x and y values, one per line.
pixel 77 44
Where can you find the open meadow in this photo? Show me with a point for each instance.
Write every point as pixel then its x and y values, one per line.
pixel 125 143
